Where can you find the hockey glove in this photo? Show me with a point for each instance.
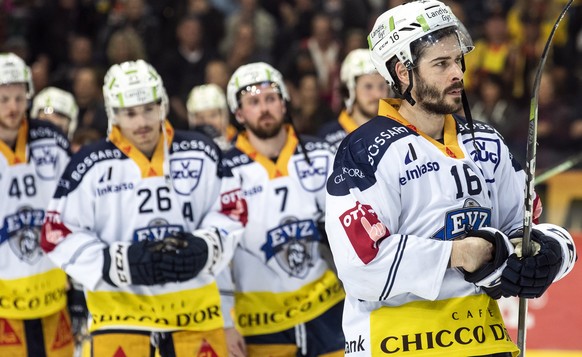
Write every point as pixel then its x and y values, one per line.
pixel 184 256
pixel 488 276
pixel 78 311
pixel 133 263
pixel 531 276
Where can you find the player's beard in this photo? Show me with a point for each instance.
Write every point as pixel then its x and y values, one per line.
pixel 433 100
pixel 265 131
pixel 367 111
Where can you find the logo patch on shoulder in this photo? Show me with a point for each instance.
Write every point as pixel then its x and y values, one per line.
pixel 312 177
pixel 364 230
pixel 186 174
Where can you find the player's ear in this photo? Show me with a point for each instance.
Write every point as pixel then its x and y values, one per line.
pixel 402 74
pixel 239 118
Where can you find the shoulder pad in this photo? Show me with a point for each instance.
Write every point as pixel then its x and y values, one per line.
pixel 195 141
pixel 43 129
pixel 83 161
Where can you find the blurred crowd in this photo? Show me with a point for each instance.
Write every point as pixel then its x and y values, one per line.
pixel 70 43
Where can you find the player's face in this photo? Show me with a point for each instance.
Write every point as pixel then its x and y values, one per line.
pixel 214 117
pixel 438 86
pixel 262 112
pixel 12 106
pixel 61 121
pixel 370 88
pixel 140 125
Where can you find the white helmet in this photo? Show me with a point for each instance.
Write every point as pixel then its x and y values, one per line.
pixel 132 83
pixel 356 63
pixel 246 76
pixel 207 96
pixel 398 28
pixel 52 99
pixel 14 70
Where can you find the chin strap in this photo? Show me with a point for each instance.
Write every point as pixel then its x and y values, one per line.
pixel 467 109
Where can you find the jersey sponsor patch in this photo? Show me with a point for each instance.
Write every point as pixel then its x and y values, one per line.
pixel 186 174
pixel 293 244
pixel 206 350
pixel 46 160
pixel 8 336
pixel 487 150
pixel 234 205
pixel 63 333
pixel 364 230
pixel 53 231
pixel 312 177
pixel 458 222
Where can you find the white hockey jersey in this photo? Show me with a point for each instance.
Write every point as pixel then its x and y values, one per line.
pixel 281 279
pixel 395 200
pixel 111 192
pixel 31 286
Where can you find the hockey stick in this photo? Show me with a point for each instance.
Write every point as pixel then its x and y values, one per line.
pixel 530 172
pixel 561 167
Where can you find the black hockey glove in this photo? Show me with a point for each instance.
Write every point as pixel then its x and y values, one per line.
pixel 530 277
pixel 184 256
pixel 78 311
pixel 488 276
pixel 133 263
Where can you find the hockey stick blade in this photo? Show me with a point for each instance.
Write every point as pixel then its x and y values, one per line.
pixel 530 175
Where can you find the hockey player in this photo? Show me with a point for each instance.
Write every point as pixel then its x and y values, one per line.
pixel 58 107
pixel 208 113
pixel 288 302
pixel 131 220
pixel 420 205
pixel 33 316
pixel 362 88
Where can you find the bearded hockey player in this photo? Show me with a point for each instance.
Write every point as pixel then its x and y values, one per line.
pixel 33 317
pixel 58 107
pixel 420 205
pixel 362 88
pixel 132 221
pixel 288 301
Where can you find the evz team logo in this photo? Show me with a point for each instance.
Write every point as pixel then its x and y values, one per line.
pixel 293 244
pixel 23 232
pixel 458 222
pixel 186 174
pixel 46 161
pixel 312 177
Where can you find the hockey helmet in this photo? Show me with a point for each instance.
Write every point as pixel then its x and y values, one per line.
pixel 207 96
pixel 55 100
pixel 130 84
pixel 416 23
pixel 14 70
pixel 247 79
pixel 356 63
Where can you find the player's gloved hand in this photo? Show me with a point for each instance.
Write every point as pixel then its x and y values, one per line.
pixel 531 276
pixel 136 263
pixel 78 311
pixel 184 256
pixel 488 276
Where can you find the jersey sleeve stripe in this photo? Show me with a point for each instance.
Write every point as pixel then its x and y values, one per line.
pixel 394 268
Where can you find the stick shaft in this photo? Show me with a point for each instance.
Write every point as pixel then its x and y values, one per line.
pixel 530 175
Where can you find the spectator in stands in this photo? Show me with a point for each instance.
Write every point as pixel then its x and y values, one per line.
pixel 251 12
pixel 217 72
pixel 309 111
pixel 80 54
pixel 183 67
pixel 88 95
pixel 125 45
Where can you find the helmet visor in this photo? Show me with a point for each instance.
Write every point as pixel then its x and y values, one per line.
pixel 461 45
